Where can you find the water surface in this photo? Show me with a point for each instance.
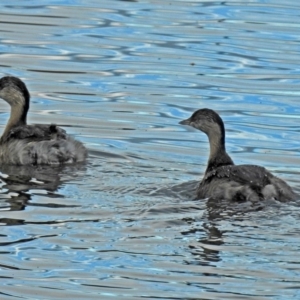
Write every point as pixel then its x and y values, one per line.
pixel 119 76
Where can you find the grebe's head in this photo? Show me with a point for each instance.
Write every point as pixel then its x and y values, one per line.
pixel 14 91
pixel 206 120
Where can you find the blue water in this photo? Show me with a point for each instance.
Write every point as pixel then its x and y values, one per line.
pixel 119 76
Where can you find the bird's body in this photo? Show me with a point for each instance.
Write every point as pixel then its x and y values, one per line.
pixel 23 144
pixel 225 180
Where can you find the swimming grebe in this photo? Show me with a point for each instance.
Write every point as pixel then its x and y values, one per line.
pixel 223 179
pixel 22 144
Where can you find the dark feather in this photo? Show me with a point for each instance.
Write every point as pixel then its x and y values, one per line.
pixel 35 133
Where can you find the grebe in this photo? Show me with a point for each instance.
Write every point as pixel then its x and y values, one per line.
pixel 22 144
pixel 225 180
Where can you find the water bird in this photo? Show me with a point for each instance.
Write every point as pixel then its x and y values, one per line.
pixel 225 180
pixel 23 144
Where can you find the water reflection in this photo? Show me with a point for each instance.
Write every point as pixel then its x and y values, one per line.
pixel 19 182
pixel 24 178
pixel 205 250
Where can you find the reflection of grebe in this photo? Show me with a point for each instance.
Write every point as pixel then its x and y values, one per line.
pixel 224 180
pixel 23 144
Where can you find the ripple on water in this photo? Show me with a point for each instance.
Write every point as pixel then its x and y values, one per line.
pixel 119 76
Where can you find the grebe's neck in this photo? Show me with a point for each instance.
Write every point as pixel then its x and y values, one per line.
pixel 19 107
pixel 218 156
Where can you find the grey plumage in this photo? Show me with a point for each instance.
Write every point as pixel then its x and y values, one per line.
pixel 22 144
pixel 223 179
